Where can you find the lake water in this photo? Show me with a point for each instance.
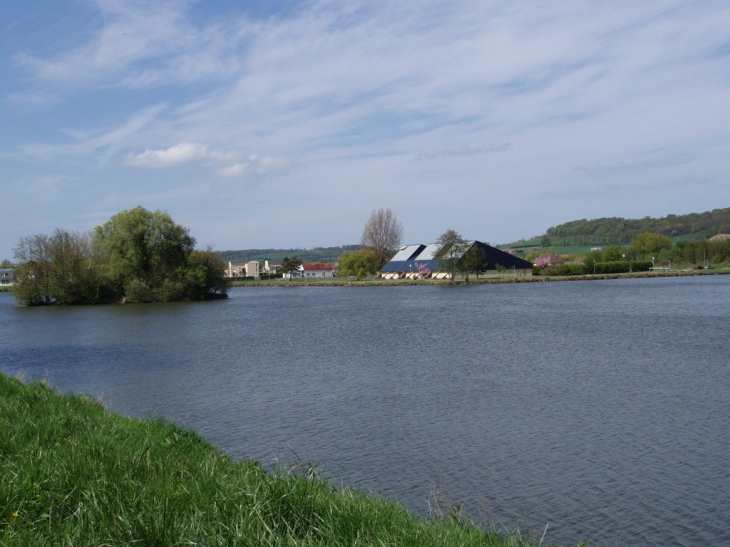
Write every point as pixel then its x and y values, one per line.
pixel 601 408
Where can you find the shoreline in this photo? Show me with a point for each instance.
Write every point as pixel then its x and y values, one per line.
pixel 339 282
pixel 79 474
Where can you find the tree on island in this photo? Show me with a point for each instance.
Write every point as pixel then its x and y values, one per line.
pixel 57 268
pixel 382 234
pixel 137 256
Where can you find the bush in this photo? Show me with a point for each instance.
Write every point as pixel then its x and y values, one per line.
pixel 640 265
pixel 612 267
pixel 137 290
pixel 578 269
pixel 566 269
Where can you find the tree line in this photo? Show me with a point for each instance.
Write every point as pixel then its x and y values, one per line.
pixel 136 256
pixel 622 231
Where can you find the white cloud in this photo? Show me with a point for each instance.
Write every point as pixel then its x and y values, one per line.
pixel 259 165
pixel 235 170
pixel 184 152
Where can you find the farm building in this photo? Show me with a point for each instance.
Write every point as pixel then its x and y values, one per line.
pixel 420 261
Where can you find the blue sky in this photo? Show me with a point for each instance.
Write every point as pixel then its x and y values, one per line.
pixel 285 123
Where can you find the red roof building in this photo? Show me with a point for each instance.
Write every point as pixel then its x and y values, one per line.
pixel 316 270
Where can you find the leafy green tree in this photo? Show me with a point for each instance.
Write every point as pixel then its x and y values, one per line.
pixel 451 248
pixel 290 265
pixel 593 257
pixel 59 268
pixel 75 276
pixel 382 234
pixel 32 279
pixel 612 254
pixel 360 264
pixel 474 260
pixel 648 243
pixel 206 274
pixel 145 254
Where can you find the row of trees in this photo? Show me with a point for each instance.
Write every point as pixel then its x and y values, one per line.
pixel 651 247
pixel 137 256
pixel 621 230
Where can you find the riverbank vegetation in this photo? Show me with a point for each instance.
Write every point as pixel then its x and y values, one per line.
pixel 74 474
pixel 137 256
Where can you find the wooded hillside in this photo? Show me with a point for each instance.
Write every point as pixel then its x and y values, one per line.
pixel 617 230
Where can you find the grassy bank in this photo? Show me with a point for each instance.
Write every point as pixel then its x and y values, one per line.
pixel 74 474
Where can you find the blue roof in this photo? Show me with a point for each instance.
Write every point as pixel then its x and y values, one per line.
pixel 409 257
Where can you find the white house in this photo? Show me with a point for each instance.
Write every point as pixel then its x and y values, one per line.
pixel 310 271
pixel 7 277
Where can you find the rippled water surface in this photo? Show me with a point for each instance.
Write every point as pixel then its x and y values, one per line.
pixel 601 408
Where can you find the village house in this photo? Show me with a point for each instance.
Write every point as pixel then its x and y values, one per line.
pixel 242 269
pixel 314 271
pixel 7 277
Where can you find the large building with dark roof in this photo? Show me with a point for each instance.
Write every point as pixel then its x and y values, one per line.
pixel 414 260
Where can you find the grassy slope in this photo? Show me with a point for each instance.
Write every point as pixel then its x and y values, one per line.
pixel 73 473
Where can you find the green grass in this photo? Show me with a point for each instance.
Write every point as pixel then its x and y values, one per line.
pixel 74 474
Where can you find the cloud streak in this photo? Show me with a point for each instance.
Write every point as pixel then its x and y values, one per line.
pixel 464 151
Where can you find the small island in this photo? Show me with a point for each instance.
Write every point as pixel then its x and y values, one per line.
pixel 136 256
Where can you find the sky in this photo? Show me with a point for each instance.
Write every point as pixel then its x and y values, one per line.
pixel 285 123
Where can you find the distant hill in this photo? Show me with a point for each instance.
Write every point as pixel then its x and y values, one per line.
pixel 620 231
pixel 317 254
